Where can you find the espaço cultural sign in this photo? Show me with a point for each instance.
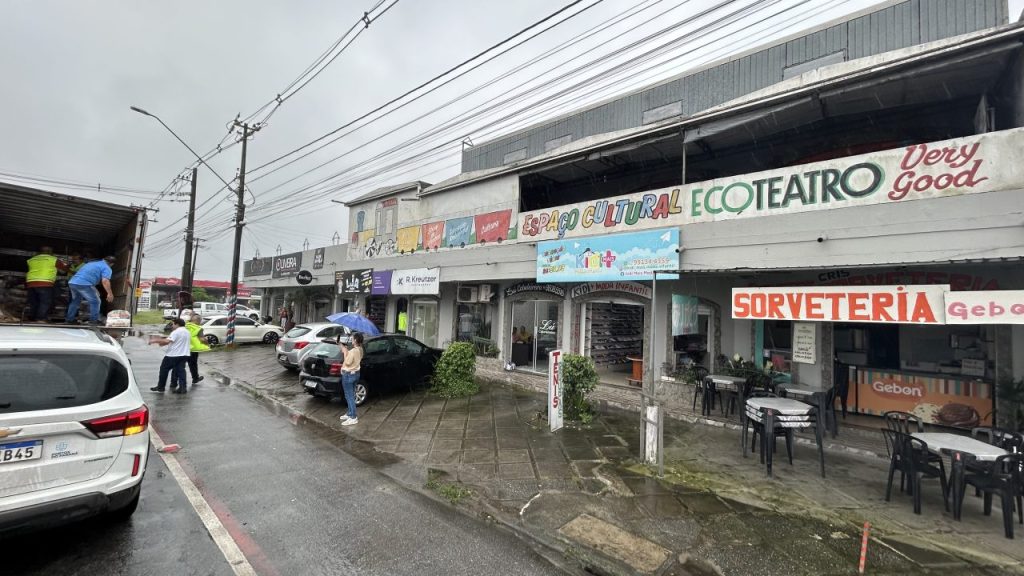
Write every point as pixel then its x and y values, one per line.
pixel 930 170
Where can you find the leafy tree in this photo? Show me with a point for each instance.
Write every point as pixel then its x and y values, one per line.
pixel 201 295
pixel 454 373
pixel 579 379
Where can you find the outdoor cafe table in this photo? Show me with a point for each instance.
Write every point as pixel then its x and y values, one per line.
pixel 813 397
pixel 791 414
pixel 713 382
pixel 951 444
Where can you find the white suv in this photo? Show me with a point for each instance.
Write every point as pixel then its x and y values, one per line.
pixel 74 430
pixel 205 309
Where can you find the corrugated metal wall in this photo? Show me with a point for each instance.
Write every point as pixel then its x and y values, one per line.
pixel 897 26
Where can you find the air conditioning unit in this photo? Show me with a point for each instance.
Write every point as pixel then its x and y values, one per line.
pixel 467 294
pixel 485 293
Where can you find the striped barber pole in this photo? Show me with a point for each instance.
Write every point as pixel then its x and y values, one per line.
pixel 864 547
pixel 232 307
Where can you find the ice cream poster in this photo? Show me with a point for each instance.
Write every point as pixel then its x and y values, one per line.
pixel 631 256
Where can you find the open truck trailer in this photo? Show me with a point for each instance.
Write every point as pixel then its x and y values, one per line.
pixel 31 218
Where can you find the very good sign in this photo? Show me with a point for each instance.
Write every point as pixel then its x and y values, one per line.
pixel 879 304
pixel 930 170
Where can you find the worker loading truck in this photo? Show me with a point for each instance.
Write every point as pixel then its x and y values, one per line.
pixel 66 259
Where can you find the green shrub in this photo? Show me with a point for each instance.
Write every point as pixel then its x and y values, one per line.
pixel 579 378
pixel 453 375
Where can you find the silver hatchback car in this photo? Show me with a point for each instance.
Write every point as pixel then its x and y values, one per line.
pixel 293 346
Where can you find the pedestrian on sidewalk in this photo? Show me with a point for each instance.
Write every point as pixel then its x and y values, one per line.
pixel 350 376
pixel 196 345
pixel 83 287
pixel 175 357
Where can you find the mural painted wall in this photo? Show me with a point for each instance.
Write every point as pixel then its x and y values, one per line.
pixel 462 218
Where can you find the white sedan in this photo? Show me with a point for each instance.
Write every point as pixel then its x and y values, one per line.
pixel 215 329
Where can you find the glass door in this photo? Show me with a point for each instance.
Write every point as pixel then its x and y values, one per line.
pixel 534 333
pixel 425 322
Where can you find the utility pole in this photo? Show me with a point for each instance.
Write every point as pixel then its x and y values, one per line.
pixel 195 256
pixel 186 266
pixel 239 224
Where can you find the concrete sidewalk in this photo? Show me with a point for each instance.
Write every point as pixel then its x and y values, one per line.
pixel 581 493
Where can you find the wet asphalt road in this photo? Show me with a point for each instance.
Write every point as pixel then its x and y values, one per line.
pixel 291 496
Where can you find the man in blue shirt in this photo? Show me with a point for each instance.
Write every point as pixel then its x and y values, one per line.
pixel 83 287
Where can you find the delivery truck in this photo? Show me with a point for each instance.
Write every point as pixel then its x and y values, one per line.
pixel 70 225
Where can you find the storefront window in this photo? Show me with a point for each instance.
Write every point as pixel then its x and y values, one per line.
pixel 534 333
pixel 778 340
pixel 473 324
pixel 695 348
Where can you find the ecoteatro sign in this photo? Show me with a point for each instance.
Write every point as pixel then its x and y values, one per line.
pixel 931 170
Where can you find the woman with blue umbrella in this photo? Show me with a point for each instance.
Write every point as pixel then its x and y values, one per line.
pixel 350 376
pixel 354 321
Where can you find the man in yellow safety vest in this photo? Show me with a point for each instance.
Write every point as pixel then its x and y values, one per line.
pixel 403 321
pixel 42 273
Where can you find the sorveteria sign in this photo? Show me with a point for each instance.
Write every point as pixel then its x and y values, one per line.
pixel 930 170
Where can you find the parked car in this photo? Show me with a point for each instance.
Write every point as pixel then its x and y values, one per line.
pixel 209 309
pixel 295 343
pixel 390 362
pixel 74 430
pixel 215 329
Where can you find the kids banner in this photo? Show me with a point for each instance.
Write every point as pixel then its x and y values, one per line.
pixel 633 256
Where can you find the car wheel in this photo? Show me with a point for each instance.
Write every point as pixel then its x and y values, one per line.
pixel 360 393
pixel 212 340
pixel 270 338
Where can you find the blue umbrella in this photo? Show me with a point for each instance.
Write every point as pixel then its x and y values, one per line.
pixel 354 321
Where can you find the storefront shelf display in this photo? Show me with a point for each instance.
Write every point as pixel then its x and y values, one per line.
pixel 613 332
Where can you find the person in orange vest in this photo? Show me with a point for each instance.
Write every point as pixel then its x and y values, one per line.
pixel 41 276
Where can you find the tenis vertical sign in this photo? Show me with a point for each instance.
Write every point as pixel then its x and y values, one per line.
pixel 555 389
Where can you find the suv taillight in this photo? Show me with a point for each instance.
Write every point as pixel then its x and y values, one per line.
pixel 133 422
pixel 301 345
pixel 335 369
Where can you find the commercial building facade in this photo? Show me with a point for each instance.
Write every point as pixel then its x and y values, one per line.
pixel 849 198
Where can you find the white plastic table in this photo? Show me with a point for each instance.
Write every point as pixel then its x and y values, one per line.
pixel 717 381
pixel 784 412
pixel 785 406
pixel 944 442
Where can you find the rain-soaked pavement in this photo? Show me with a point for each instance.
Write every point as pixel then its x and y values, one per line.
pixel 580 492
pixel 292 497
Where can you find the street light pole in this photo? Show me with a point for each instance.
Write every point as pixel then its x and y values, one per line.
pixel 178 138
pixel 239 224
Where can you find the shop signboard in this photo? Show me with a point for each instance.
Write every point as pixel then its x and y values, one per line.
pixel 493 226
pixel 319 255
pixel 985 307
pixel 381 283
pixel 145 294
pixel 258 267
pixel 937 399
pixel 354 282
pixel 929 170
pixel 805 342
pixel 457 232
pixel 287 265
pixel 433 235
pixel 684 315
pixel 555 390
pixel 534 287
pixel 875 304
pixel 304 277
pixel 416 281
pixel 408 239
pixel 633 288
pixel 634 256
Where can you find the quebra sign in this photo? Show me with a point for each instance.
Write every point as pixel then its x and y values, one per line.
pixel 930 170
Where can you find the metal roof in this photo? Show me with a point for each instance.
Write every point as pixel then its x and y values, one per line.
pixel 34 212
pixel 388 191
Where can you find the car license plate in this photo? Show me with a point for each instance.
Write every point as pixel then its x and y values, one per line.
pixel 309 383
pixel 19 451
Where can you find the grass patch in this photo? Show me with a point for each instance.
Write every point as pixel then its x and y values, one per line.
pixel 149 317
pixel 451 492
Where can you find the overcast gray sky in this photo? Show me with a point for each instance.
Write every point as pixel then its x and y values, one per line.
pixel 73 67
